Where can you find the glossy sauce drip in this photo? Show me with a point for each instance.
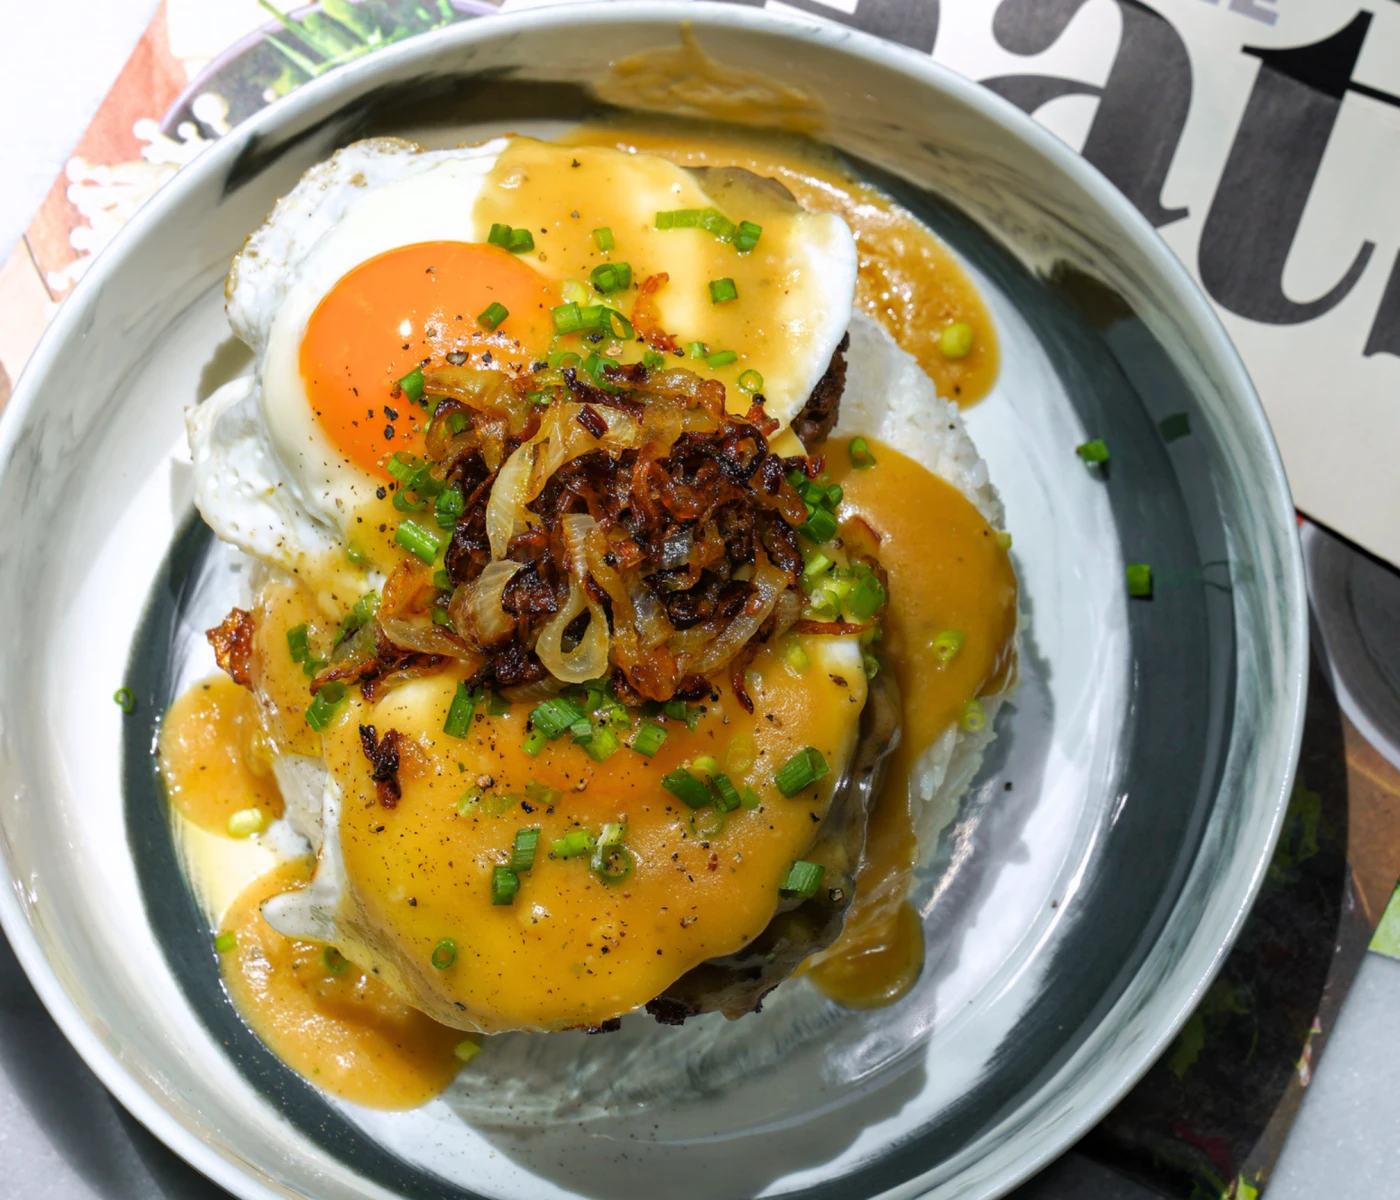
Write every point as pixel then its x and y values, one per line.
pixel 346 1032
pixel 213 758
pixel 947 571
pixel 572 949
pixel 562 195
pixel 909 281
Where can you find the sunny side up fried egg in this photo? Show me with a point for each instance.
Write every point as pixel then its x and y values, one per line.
pixel 380 262
pixel 330 295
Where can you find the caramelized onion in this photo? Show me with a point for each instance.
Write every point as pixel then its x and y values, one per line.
pixel 559 440
pixel 403 614
pixel 769 584
pixel 476 607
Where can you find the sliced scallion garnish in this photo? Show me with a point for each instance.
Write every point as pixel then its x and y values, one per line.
pixel 504 884
pixel 722 291
pixel 861 458
pixel 490 319
pixel 459 713
pixel 802 880
pixel 800 771
pixel 522 853
pixel 648 739
pixel 417 541
pixel 445 953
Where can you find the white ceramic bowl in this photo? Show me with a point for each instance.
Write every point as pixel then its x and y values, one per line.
pixel 1072 922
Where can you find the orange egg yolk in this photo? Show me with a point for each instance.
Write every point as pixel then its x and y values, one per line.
pixel 412 307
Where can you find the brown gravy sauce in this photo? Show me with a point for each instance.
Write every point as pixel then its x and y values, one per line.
pixel 947 571
pixel 908 281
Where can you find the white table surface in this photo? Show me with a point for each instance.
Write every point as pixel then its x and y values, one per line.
pixel 63 1137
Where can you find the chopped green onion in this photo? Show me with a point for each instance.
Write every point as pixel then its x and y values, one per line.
pixel 445 953
pixel 750 382
pixel 816 566
pixel 820 526
pixel 411 385
pixel 611 277
pixel 707 822
pixel 563 358
pixel 541 794
pixel 534 742
pixel 490 320
pixel 653 361
pixel 742 754
pixel 1003 539
pixel 572 844
pixel 335 962
pixel 466 1050
pixel 796 657
pixel 696 349
pixel 417 540
pixel 802 880
pixel 748 797
pixel 246 822
pixel 1176 426
pixel 956 340
pixel 403 466
pixel 555 716
pixel 125 699
pixel 1093 452
pixel 321 709
pixel 403 504
pixel 504 884
pixel 297 645
pixel 603 238
pixel 703 766
pixel 1140 580
pixel 747 235
pixel 973 719
pixel 800 771
pixel 722 291
pixel 648 739
pixel 861 457
pixel 946 645
pixel 722 358
pixel 499 236
pixel 459 714
pixel 867 597
pixel 469 800
pixel 726 791
pixel 709 219
pixel 522 854
pixel 687 789
pixel 225 942
pixel 458 421
pixel 450 505
pixel 568 318
pixel 359 616
pixel 442 581
pixel 353 554
pixel 612 861
pixel 496 705
pixel 603 744
pixel 871 665
pixel 521 241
